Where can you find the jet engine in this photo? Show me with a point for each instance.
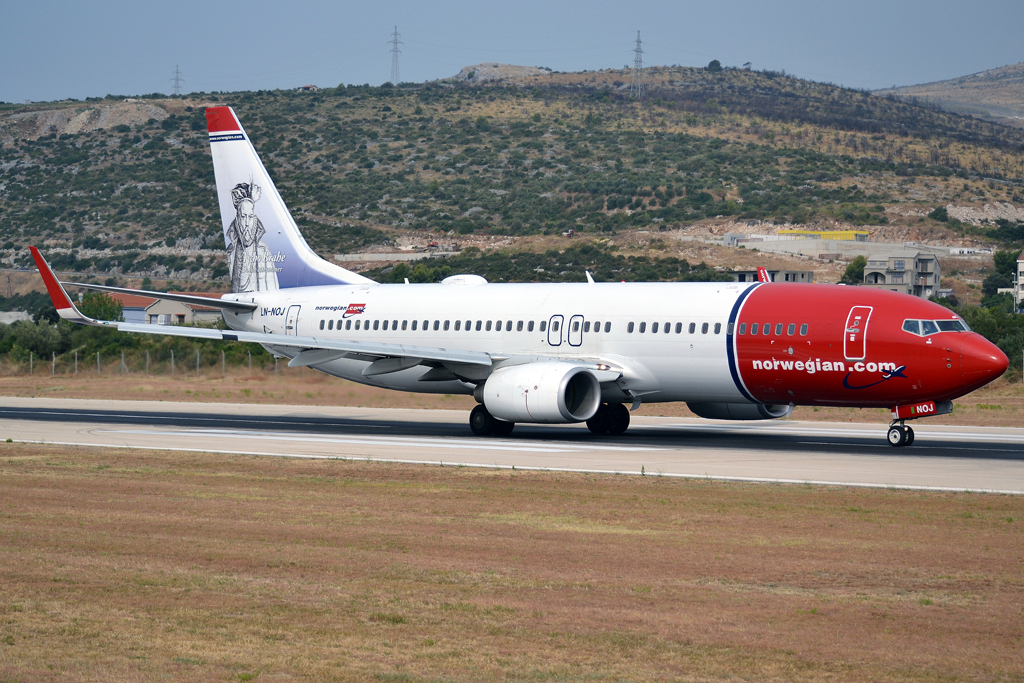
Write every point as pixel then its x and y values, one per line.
pixel 740 411
pixel 549 391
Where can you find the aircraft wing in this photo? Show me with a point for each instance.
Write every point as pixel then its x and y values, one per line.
pixel 311 350
pixel 228 304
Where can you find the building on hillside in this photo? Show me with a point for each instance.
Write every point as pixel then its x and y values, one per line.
pixel 843 235
pixel 910 272
pixel 805 276
pixel 147 310
pixel 133 306
pixel 1018 284
pixel 307 88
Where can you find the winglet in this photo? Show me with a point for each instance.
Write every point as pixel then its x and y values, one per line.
pixel 61 301
pixel 763 275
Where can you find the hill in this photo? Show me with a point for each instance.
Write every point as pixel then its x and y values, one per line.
pixel 996 94
pixel 527 154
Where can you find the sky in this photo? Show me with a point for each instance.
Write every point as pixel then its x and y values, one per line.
pixel 56 50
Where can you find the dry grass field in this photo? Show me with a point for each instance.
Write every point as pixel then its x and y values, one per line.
pixel 128 566
pixel 1001 404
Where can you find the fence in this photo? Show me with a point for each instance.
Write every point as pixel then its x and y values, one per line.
pixel 128 362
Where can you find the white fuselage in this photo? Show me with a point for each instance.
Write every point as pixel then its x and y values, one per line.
pixel 517 322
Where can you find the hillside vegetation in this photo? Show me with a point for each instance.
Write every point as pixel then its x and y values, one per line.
pixel 362 166
pixel 997 94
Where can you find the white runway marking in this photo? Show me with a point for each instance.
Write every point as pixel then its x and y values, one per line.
pixel 412 442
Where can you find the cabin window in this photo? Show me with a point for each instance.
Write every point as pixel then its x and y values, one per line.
pixel 469 325
pixel 643 327
pixel 679 328
pixel 753 329
pixel 668 327
pixel 488 326
pixel 803 330
pixel 405 325
pixel 529 326
pixel 446 325
pixel 693 328
pixel 519 326
pixel 497 326
pixel 458 325
pixel 576 326
pixel 479 323
pixel 607 327
pixel 543 325
pixel 791 330
pixel 437 324
pixel 508 325
pixel 414 324
pixel 357 324
pixel 321 324
pixel 426 325
pixel 394 324
pixel 586 326
pixel 718 328
pixel 743 328
pixel 330 324
pixel 348 324
pixel 629 328
pixel 704 328
pixel 385 324
pixel 376 324
pixel 766 329
pixel 728 330
pixel 654 328
pixel 778 329
pixel 556 325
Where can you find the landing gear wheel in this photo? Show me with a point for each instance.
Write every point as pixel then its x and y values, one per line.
pixel 618 421
pixel 896 436
pixel 601 421
pixel 910 437
pixel 481 422
pixel 502 428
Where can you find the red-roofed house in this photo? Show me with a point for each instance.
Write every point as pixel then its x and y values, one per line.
pixel 144 309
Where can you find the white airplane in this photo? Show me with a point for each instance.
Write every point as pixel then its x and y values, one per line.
pixel 569 352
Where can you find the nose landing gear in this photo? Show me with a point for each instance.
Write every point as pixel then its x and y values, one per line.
pixel 900 435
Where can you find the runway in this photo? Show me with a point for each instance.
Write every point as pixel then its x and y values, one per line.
pixel 942 458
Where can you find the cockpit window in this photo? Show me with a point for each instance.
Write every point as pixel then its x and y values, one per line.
pixel 923 328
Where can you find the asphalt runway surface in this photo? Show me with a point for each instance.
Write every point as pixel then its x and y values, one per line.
pixel 982 459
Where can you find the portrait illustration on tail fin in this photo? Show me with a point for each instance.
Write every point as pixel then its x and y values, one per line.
pixel 253 267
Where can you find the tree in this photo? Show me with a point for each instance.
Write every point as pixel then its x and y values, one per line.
pixel 1006 261
pixel 995 282
pixel 714 66
pixel 854 274
pixel 940 214
pixel 101 307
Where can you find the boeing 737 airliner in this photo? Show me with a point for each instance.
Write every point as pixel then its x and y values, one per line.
pixel 562 353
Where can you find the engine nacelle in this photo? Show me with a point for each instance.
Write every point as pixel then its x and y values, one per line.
pixel 740 411
pixel 549 391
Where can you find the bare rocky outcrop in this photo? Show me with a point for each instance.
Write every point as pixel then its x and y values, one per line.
pixel 986 215
pixel 71 120
pixel 493 71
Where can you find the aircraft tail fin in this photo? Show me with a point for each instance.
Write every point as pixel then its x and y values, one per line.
pixel 763 275
pixel 265 248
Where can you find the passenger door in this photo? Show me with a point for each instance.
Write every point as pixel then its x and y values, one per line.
pixel 555 330
pixel 575 331
pixel 854 338
pixel 291 321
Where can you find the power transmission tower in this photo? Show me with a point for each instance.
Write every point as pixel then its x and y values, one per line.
pixel 636 86
pixel 394 43
pixel 177 80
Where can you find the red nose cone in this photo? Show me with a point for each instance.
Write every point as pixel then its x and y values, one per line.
pixel 981 361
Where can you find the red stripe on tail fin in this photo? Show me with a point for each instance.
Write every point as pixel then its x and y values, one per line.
pixel 221 119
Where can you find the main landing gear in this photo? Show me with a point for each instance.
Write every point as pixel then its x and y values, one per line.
pixel 900 435
pixel 484 424
pixel 610 418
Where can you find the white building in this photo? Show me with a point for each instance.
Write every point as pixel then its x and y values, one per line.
pixel 1018 283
